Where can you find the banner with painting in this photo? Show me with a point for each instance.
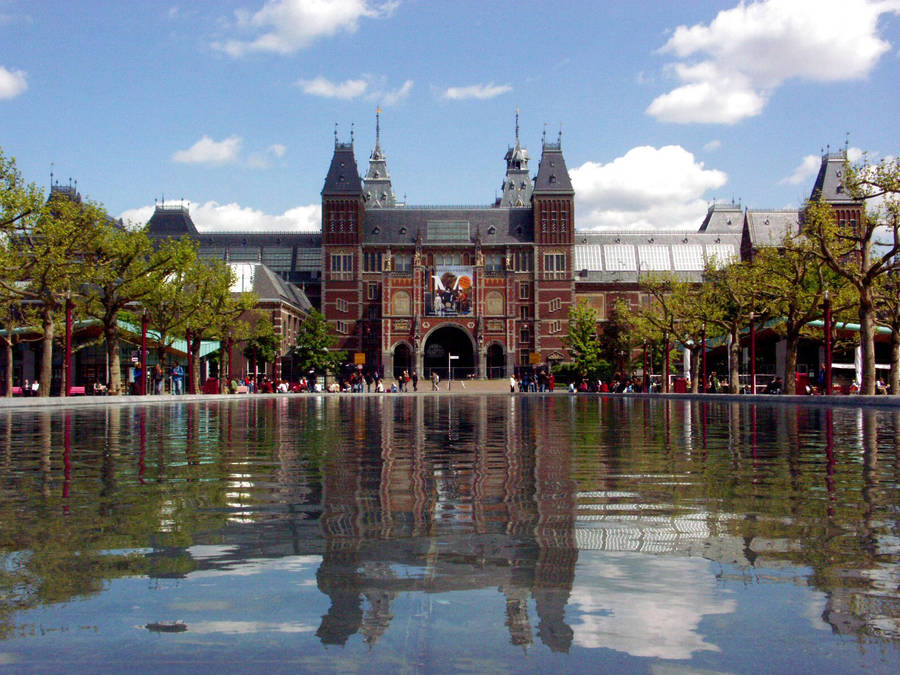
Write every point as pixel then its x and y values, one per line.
pixel 450 291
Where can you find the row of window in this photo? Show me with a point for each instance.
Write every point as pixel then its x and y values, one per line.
pixel 341 264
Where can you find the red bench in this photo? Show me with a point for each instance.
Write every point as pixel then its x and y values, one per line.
pixel 17 391
pixel 76 391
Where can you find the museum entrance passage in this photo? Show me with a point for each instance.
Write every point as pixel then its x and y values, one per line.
pixel 443 343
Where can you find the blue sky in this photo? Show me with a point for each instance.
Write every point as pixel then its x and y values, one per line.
pixel 663 106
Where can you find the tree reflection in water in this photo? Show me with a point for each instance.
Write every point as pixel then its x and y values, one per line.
pixel 397 496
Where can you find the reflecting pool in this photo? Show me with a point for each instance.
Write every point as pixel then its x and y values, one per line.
pixel 438 533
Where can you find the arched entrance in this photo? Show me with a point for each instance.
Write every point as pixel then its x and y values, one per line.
pixel 496 363
pixel 402 359
pixel 449 341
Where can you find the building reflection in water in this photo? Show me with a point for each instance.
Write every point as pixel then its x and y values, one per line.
pixel 472 498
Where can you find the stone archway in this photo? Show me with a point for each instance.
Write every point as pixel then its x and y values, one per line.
pixel 402 359
pixel 449 340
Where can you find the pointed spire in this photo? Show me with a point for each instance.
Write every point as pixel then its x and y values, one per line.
pixel 517 126
pixel 335 134
pixel 378 189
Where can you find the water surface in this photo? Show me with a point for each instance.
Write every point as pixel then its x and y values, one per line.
pixel 450 533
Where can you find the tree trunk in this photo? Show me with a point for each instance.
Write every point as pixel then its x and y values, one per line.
pixel 114 386
pixel 195 364
pixel 694 369
pixel 894 377
pixel 734 370
pixel 867 343
pixel 46 377
pixel 790 362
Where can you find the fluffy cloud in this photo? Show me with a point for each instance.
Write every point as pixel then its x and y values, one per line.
pixel 749 50
pixel 370 87
pixel 12 83
pixel 214 217
pixel 286 26
pixel 208 151
pixel 809 167
pixel 713 145
pixel 647 188
pixel 478 91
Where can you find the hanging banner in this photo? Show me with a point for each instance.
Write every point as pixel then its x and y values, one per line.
pixel 451 290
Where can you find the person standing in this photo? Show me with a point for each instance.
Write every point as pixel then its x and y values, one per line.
pixel 512 384
pixel 178 379
pixel 435 380
pixel 415 380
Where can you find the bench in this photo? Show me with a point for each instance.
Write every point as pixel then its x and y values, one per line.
pixel 17 391
pixel 76 391
pixel 243 390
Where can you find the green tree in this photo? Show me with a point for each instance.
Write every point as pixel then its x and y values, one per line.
pixel 125 269
pixel 314 349
pixel 583 342
pixel 887 294
pixel 733 300
pixel 51 251
pixel 262 344
pixel 861 252
pixel 792 283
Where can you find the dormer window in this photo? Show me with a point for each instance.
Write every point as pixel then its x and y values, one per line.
pixel 491 230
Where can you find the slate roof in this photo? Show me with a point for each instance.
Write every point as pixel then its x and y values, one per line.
pixel 607 257
pixel 768 227
pixel 496 226
pixel 268 286
pixel 723 218
pixel 343 175
pixel 171 221
pixel 829 182
pixel 552 175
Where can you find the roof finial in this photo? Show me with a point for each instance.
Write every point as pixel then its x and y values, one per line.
pixel 517 126
pixel 378 125
pixel 544 135
pixel 335 134
pixel 351 132
pixel 51 174
pixel 846 143
pixel 559 135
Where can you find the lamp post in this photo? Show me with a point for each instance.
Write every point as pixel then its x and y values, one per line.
pixel 646 378
pixel 827 328
pixel 144 321
pixel 752 353
pixel 450 357
pixel 67 384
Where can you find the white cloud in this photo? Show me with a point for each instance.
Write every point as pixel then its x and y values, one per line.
pixel 713 145
pixel 263 160
pixel 647 188
pixel 348 89
pixel 478 91
pixel 215 217
pixel 287 26
pixel 208 151
pixel 12 83
pixel 370 87
pixel 748 51
pixel 277 149
pixel 807 168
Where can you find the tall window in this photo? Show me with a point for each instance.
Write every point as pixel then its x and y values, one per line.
pixel 493 262
pixel 403 262
pixel 523 261
pixel 372 261
pixel 372 291
pixel 555 266
pixel 524 290
pixel 341 265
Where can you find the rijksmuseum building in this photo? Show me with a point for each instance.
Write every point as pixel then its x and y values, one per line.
pixel 482 288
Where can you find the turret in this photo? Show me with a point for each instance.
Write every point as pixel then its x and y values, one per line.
pixel 378 190
pixel 517 187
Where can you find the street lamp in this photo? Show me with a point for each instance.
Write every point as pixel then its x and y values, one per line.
pixel 450 357
pixel 752 353
pixel 827 308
